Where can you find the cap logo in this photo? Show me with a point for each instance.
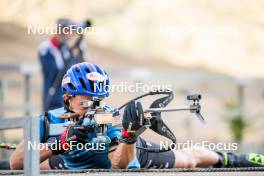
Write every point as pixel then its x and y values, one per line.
pixel 95 76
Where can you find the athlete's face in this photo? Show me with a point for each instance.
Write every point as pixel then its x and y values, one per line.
pixel 76 104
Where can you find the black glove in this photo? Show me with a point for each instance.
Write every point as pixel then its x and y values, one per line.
pixel 71 136
pixel 133 120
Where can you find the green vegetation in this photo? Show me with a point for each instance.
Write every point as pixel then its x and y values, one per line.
pixel 236 120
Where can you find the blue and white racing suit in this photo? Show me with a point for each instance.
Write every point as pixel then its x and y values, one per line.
pixel 83 159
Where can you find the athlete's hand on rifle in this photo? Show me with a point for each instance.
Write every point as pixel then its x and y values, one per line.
pixel 133 120
pixel 72 135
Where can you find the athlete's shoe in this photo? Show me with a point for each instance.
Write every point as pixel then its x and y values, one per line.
pixel 242 160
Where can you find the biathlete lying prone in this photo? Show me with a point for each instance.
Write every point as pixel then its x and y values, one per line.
pixel 87 84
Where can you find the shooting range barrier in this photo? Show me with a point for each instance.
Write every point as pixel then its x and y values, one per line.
pixel 26 71
pixel 30 127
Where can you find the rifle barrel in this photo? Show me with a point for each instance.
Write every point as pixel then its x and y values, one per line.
pixel 187 108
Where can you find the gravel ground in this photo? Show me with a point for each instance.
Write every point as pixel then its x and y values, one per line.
pixel 161 174
pixel 153 172
pixel 171 174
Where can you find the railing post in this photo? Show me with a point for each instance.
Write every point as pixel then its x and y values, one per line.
pixel 31 159
pixel 27 90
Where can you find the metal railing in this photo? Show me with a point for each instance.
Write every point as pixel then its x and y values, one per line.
pixel 27 71
pixel 30 127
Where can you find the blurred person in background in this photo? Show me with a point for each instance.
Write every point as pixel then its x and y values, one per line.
pixel 56 55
